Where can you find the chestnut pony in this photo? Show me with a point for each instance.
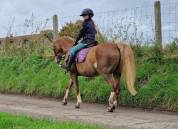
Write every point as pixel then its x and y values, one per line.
pixel 106 59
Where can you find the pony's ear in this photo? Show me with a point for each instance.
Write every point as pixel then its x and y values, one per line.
pixel 50 38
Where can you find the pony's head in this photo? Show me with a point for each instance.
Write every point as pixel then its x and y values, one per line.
pixel 61 47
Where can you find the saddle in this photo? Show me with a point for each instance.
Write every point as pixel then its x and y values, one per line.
pixel 82 54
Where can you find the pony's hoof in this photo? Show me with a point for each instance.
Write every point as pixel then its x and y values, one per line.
pixel 64 103
pixel 77 106
pixel 114 107
pixel 110 109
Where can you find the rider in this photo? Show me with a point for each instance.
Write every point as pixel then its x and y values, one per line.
pixel 87 34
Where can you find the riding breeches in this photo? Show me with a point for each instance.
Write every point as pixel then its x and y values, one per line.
pixel 73 51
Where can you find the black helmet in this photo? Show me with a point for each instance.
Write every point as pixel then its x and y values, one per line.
pixel 87 11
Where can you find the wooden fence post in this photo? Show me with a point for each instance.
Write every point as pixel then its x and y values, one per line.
pixel 158 29
pixel 55 26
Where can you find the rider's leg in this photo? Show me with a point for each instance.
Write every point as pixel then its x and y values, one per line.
pixel 72 53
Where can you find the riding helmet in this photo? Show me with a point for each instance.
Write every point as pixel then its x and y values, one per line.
pixel 87 11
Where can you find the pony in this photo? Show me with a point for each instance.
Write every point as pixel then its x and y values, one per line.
pixel 109 60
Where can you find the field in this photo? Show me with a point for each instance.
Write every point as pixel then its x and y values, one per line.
pixel 8 121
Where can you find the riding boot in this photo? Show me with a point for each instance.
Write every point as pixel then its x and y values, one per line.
pixel 68 64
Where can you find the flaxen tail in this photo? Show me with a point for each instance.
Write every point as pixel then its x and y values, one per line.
pixel 128 66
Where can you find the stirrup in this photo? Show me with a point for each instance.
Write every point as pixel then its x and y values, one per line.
pixel 64 66
pixel 65 70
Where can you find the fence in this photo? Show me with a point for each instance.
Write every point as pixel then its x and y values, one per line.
pixel 30 25
pixel 135 25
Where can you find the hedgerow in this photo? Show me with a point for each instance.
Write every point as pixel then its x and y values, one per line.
pixel 157 84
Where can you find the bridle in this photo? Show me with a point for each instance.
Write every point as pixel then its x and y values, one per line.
pixel 59 57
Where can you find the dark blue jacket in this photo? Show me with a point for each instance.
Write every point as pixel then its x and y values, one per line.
pixel 88 32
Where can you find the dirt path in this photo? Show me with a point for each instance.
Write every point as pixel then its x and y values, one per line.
pixel 89 113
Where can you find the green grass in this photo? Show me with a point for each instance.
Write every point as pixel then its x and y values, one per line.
pixel 157 84
pixel 8 121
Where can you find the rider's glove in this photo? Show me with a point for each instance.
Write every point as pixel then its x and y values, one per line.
pixel 75 43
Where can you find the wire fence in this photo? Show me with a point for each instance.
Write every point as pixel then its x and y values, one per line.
pixel 169 21
pixel 135 25
pixel 30 26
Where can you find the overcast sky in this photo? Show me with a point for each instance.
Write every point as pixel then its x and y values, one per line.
pixel 21 9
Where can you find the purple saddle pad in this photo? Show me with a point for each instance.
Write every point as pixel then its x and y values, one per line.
pixel 81 55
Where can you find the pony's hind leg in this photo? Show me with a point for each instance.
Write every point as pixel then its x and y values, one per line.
pixel 64 102
pixel 112 102
pixel 116 88
pixel 114 82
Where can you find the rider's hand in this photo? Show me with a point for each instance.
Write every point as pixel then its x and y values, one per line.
pixel 75 43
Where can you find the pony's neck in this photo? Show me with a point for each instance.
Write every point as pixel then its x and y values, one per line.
pixel 67 47
pixel 67 43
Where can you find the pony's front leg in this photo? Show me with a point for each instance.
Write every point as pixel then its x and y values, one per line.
pixel 64 102
pixel 77 92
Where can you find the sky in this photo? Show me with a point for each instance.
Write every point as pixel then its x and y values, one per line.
pixel 21 9
pixel 17 11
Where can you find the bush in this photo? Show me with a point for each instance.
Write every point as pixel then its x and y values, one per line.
pixel 172 47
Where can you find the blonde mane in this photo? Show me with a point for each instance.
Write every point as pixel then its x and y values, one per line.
pixel 67 38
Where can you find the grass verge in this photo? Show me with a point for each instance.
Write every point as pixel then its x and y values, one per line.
pixel 8 121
